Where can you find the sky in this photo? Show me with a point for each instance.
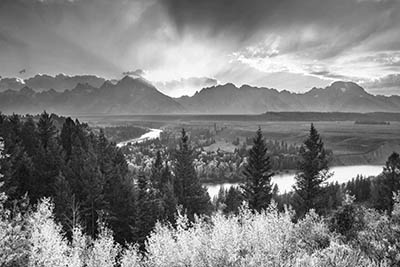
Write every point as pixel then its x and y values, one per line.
pixel 184 45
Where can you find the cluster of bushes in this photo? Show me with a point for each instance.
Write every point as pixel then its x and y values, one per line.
pixel 353 237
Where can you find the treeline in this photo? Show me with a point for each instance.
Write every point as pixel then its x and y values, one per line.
pixel 88 178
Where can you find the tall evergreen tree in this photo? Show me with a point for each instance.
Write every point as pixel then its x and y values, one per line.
pixel 20 179
pixel 391 171
pixel 387 184
pixel 168 195
pixel 187 187
pixel 313 171
pixel 156 171
pixel 29 136
pixel 46 129
pixel 66 136
pixel 233 200
pixel 146 216
pixel 257 174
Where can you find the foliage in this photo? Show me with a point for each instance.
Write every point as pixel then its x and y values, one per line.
pixel 85 174
pixel 104 251
pixel 187 187
pixel 313 172
pixel 387 184
pixel 268 238
pixel 48 247
pixel 257 188
pixel 347 220
pixel 380 237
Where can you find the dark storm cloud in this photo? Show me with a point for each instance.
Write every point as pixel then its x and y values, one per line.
pixel 247 16
pixel 340 24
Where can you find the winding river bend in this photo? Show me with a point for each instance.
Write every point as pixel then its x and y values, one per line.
pixel 285 181
pixel 152 134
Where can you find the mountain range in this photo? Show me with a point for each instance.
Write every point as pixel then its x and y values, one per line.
pixel 91 94
pixel 41 82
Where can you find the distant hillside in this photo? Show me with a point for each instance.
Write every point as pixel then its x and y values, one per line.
pixel 339 96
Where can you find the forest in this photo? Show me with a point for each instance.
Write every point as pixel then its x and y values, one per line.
pixel 68 198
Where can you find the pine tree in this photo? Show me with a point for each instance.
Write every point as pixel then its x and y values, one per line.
pixel 66 136
pixel 20 179
pixel 233 200
pixel 387 184
pixel 391 171
pixel 312 172
pixel 168 195
pixel 146 209
pixel 156 171
pixel 29 137
pixel 48 163
pixel 187 187
pixel 257 174
pixel 94 202
pixel 46 129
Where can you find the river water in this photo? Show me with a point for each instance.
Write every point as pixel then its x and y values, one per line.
pixel 285 181
pixel 152 134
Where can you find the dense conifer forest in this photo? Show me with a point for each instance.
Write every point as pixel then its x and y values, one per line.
pixel 68 198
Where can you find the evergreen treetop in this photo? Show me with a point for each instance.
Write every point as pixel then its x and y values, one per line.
pixel 257 188
pixel 312 171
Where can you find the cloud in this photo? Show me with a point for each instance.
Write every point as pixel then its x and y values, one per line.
pixel 392 80
pixel 329 75
pixel 304 40
pixel 324 38
pixel 386 85
pixel 136 73
pixel 185 86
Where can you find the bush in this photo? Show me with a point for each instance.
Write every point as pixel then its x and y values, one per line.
pixel 266 238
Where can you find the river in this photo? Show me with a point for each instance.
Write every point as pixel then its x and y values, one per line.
pixel 285 181
pixel 152 134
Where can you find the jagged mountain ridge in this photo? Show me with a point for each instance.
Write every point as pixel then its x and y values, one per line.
pixel 41 82
pixel 137 96
pixel 127 96
pixel 339 96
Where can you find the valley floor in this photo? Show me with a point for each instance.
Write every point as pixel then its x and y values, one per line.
pixel 350 143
